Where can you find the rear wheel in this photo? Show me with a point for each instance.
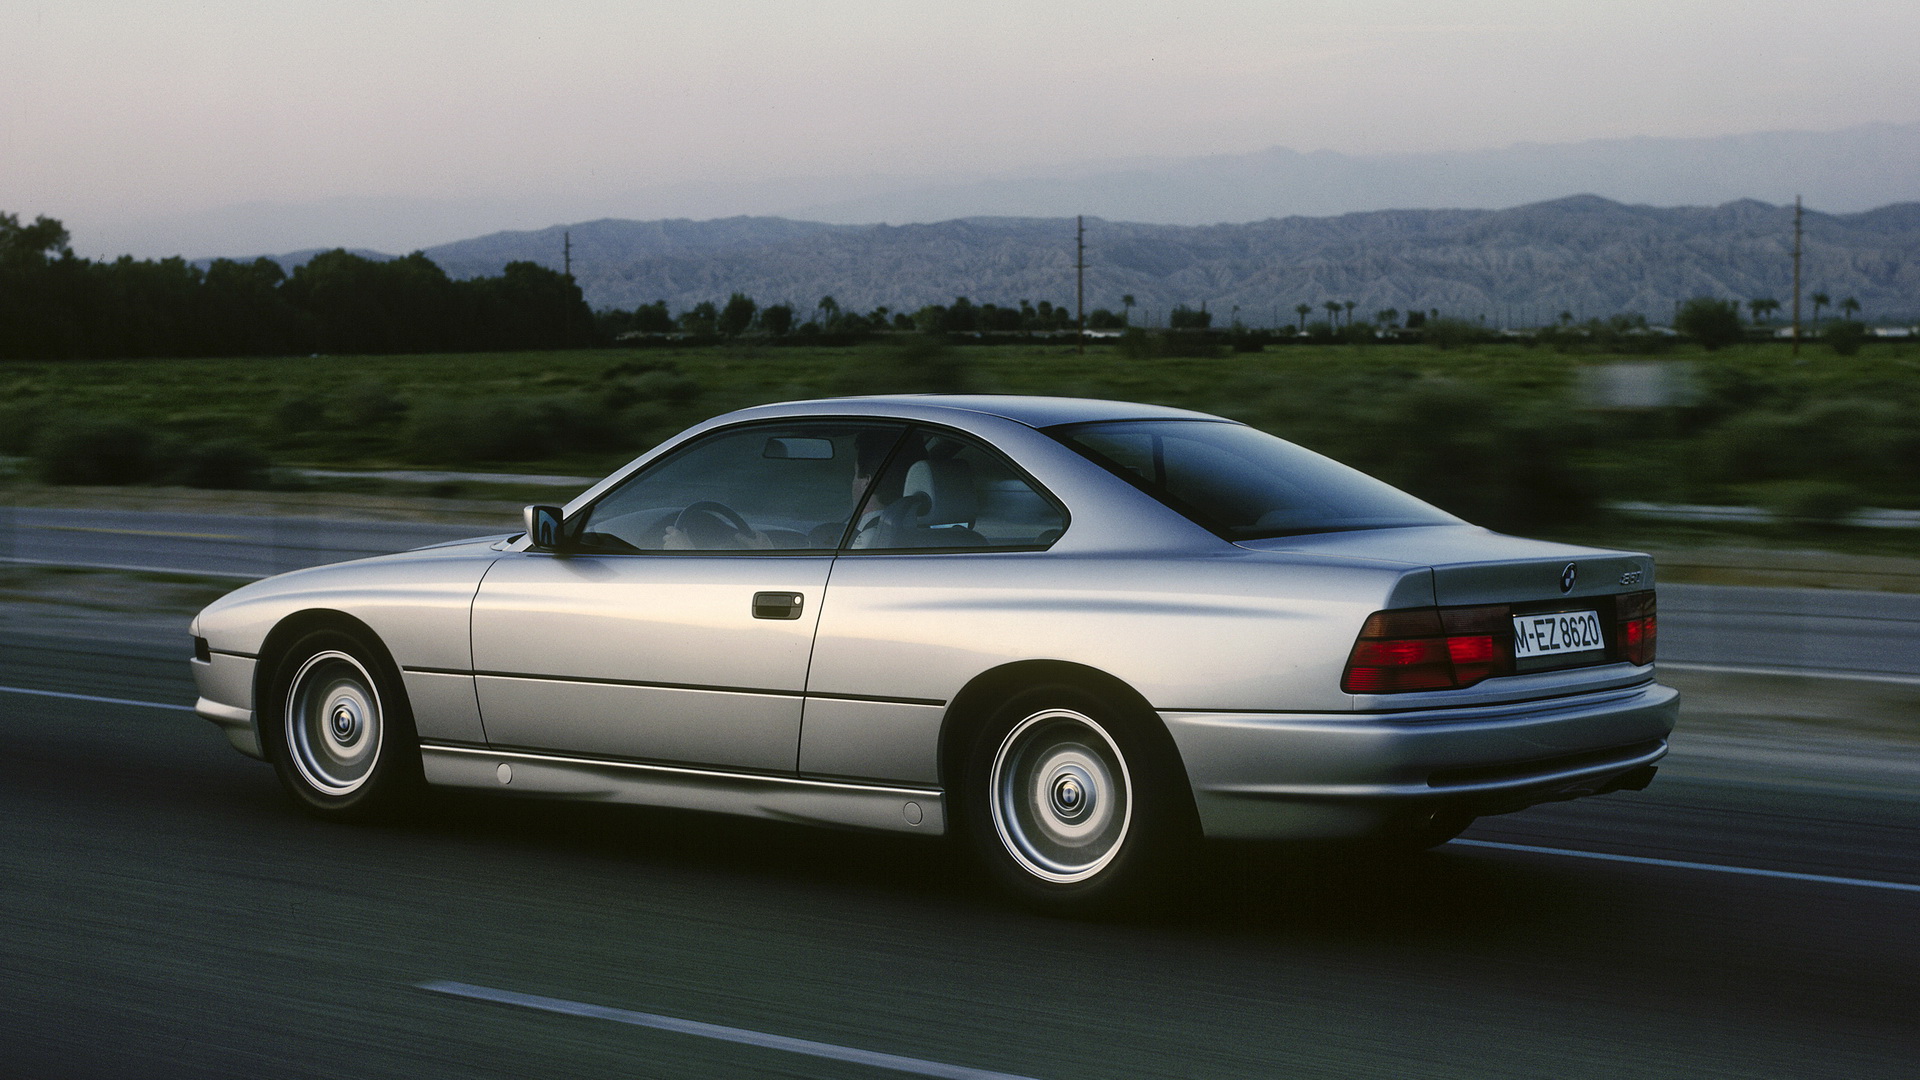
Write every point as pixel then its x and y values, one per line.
pixel 1070 803
pixel 344 743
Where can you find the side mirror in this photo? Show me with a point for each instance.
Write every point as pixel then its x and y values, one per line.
pixel 543 527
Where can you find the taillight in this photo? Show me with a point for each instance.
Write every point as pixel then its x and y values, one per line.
pixel 1636 627
pixel 1428 649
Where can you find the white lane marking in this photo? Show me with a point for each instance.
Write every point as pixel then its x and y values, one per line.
pixel 716 1031
pixel 1804 673
pixel 1787 875
pixel 93 697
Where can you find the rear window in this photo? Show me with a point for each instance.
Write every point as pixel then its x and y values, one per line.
pixel 1244 484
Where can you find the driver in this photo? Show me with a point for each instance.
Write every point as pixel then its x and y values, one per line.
pixel 869 454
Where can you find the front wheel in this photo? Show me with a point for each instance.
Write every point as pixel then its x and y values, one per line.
pixel 1071 803
pixel 344 744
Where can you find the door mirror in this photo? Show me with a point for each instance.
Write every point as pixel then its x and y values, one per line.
pixel 543 524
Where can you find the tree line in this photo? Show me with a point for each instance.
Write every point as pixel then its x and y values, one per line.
pixel 742 316
pixel 55 305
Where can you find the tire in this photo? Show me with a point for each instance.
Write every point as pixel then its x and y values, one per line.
pixel 342 736
pixel 1075 804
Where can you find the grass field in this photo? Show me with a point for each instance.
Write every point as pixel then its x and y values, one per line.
pixel 1503 433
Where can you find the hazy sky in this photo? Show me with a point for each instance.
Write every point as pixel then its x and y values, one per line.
pixel 113 112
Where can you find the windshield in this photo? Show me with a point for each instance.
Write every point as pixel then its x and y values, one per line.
pixel 1244 484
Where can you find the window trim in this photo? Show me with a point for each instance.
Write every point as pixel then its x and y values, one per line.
pixel 577 521
pixel 986 447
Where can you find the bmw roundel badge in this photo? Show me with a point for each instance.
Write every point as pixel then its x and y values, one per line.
pixel 1566 578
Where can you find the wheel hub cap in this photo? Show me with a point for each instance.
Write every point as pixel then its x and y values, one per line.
pixel 333 723
pixel 1061 795
pixel 346 723
pixel 1072 793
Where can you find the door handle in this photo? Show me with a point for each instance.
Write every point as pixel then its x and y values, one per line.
pixel 776 605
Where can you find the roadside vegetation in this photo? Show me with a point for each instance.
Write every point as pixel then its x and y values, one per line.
pixel 1513 435
pixel 355 363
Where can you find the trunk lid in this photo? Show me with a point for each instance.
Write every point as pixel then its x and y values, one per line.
pixel 1524 593
pixel 1472 565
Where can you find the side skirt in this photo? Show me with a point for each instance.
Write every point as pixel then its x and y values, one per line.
pixel 780 798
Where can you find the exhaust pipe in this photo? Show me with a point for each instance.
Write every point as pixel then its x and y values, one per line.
pixel 1631 780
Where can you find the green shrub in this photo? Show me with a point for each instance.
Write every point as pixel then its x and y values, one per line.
pixel 1450 333
pixel 465 431
pixel 461 432
pixel 19 423
pixel 1812 502
pixel 1138 344
pixel 369 405
pixel 1713 323
pixel 916 364
pixel 1845 336
pixel 226 464
pixel 298 412
pixel 92 450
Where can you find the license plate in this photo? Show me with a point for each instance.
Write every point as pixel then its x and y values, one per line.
pixel 1556 632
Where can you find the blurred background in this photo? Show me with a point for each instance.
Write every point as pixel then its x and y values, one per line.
pixel 289 284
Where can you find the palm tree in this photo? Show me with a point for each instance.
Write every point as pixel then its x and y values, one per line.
pixel 1763 308
pixel 1333 312
pixel 1820 300
pixel 1127 302
pixel 829 307
pixel 1850 306
pixel 1388 316
pixel 1350 305
pixel 1303 310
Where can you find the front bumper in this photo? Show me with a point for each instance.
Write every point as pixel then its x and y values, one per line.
pixel 225 682
pixel 1337 775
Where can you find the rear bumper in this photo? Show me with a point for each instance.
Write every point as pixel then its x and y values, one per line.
pixel 1327 775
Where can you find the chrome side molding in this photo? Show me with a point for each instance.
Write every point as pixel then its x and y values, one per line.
pixel 778 798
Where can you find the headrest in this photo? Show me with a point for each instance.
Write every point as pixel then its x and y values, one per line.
pixel 949 484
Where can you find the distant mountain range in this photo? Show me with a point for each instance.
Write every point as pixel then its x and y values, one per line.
pixel 1844 171
pixel 1522 266
pixel 1848 170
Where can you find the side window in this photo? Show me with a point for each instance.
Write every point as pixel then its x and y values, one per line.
pixel 948 492
pixel 761 488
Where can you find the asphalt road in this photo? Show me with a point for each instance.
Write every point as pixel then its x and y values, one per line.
pixel 1816 629
pixel 166 913
pixel 217 544
pixel 1830 630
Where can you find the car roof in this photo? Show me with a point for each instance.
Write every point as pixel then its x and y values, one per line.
pixel 1033 411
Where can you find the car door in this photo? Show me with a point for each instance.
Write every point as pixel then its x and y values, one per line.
pixel 677 623
pixel 946 560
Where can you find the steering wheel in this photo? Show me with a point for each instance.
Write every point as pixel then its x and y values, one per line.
pixel 702 522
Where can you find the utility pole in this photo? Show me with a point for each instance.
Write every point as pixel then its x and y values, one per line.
pixel 1080 282
pixel 566 263
pixel 1796 275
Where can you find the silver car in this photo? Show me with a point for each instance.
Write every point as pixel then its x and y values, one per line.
pixel 1079 634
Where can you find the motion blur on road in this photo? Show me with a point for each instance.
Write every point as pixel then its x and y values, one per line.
pixel 168 913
